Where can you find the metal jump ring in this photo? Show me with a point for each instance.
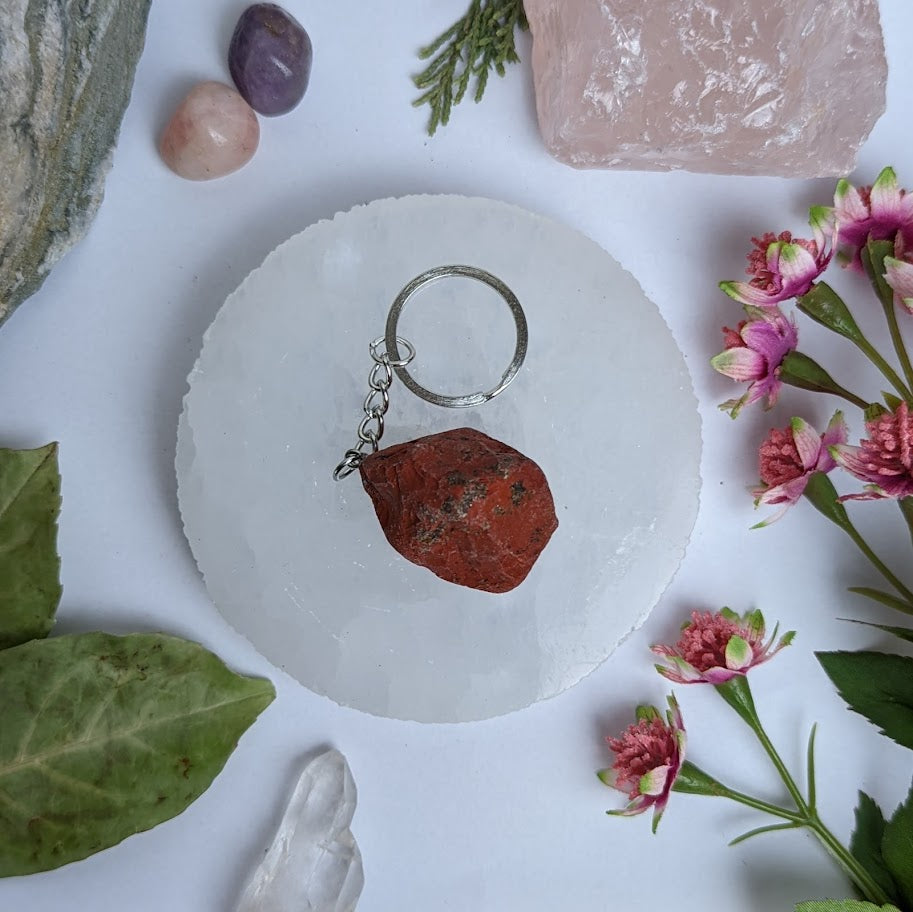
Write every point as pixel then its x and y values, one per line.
pixel 386 357
pixel 398 363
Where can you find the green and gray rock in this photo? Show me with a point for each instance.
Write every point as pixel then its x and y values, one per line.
pixel 66 73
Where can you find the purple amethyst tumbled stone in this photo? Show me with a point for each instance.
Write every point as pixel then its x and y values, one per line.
pixel 270 59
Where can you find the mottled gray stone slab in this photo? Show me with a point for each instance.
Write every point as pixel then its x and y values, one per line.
pixel 66 73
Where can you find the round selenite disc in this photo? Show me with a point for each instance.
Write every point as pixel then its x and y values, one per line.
pixel 298 563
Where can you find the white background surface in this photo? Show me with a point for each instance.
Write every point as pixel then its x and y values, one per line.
pixel 498 815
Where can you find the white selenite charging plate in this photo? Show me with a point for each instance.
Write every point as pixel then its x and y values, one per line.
pixel 298 563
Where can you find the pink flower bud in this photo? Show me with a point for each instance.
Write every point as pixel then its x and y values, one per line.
pixel 648 757
pixel 754 352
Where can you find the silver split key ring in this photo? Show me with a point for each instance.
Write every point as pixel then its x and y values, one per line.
pixel 397 353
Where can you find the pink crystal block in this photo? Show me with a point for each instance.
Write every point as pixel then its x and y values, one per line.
pixel 213 132
pixel 778 87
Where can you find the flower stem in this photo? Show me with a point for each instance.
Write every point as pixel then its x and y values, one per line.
pixel 798 370
pixel 823 496
pixel 878 563
pixel 873 257
pixel 737 693
pixel 906 507
pixel 826 307
pixel 899 347
pixel 693 780
pixel 890 374
pixel 854 870
pixel 772 809
pixel 853 398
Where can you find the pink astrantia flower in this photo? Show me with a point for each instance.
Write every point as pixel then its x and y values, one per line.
pixel 880 212
pixel 754 352
pixel 714 648
pixel 783 267
pixel 787 459
pixel 648 757
pixel 885 459
pixel 899 275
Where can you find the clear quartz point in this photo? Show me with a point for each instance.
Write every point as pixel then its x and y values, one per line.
pixel 314 864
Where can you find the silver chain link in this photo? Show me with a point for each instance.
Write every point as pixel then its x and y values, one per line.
pixel 376 403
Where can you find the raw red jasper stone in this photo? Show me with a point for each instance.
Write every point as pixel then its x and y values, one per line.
pixel 471 509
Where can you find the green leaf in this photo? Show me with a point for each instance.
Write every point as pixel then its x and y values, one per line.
pixel 106 736
pixel 29 565
pixel 873 412
pixel 772 828
pixel 810 768
pixel 897 848
pixel 798 370
pixel 826 307
pixel 903 633
pixel 692 780
pixel 737 693
pixel 883 598
pixel 843 905
pixel 877 686
pixel 647 713
pixel 822 494
pixel 866 841
pixel 893 402
pixel 873 257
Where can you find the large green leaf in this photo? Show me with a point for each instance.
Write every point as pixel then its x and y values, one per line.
pixel 104 736
pixel 897 848
pixel 843 905
pixel 878 686
pixel 867 840
pixel 29 566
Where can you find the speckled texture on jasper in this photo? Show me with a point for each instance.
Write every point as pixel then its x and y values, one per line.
pixel 471 509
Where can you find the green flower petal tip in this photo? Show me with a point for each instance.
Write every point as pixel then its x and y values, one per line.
pixel 606 777
pixel 887 178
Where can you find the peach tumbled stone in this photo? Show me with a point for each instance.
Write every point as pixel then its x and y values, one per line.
pixel 213 132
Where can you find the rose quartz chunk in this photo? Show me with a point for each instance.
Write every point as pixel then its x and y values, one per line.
pixel 779 87
pixel 213 132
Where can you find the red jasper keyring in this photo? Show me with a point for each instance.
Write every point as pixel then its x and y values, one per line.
pixel 397 353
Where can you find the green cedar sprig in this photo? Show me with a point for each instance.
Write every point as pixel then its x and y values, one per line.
pixel 484 39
